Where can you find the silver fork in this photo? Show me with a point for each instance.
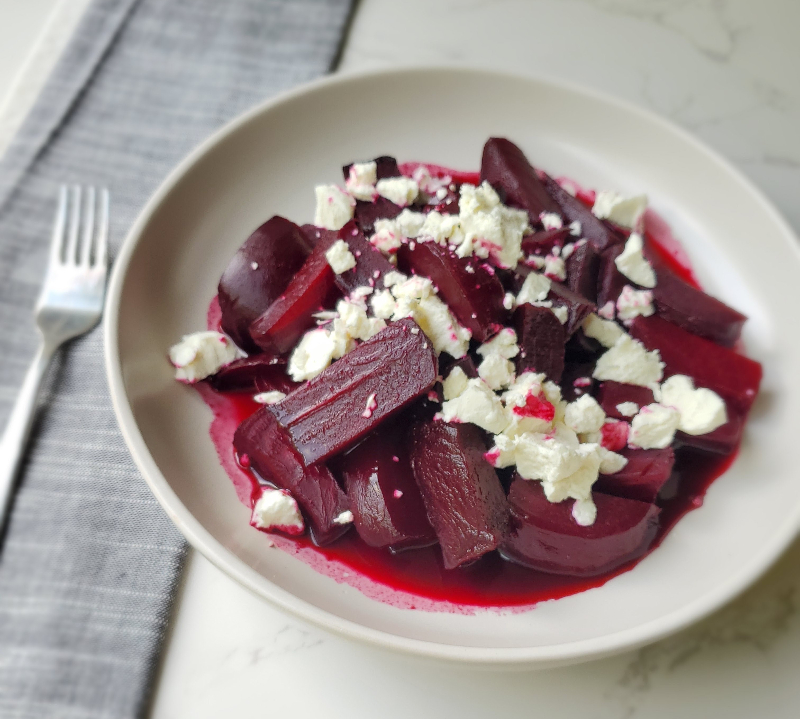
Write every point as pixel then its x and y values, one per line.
pixel 69 305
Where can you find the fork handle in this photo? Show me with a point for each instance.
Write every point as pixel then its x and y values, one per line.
pixel 15 437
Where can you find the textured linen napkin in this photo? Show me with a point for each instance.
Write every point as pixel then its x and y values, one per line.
pixel 90 561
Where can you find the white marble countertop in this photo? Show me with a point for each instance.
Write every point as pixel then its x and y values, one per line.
pixel 727 70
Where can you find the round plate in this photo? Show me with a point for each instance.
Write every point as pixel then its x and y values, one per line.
pixel 268 161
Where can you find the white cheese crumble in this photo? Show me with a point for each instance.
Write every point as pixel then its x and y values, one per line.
pixel 335 207
pixel 701 410
pixel 389 233
pixel 611 462
pixel 555 268
pixel 561 312
pixel 632 303
pixel 575 228
pixel 400 190
pixel 455 383
pixel 551 221
pixel 584 415
pixel 476 404
pixel 633 264
pixel 393 278
pixel 315 351
pixel 629 362
pixel 607 311
pixel 272 397
pixel 504 343
pixel 339 257
pixel 361 180
pixel 654 427
pixel 382 304
pixel 627 409
pixel 277 509
pixel 201 354
pixel 439 227
pixel 605 332
pixel 496 371
pixel 345 517
pixel 534 289
pixel 509 301
pixel 625 211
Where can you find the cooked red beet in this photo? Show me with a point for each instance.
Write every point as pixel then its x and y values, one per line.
pixel 642 478
pixel 610 394
pixel 691 308
pixel 594 230
pixel 265 445
pixel 385 167
pixel 257 373
pixel 610 280
pixel 316 235
pixel 384 498
pixel 257 274
pixel 473 293
pixel 542 243
pixel 356 393
pixel 371 265
pixel 734 377
pixel 723 440
pixel 541 339
pixel 463 497
pixel 312 289
pixel 544 536
pixel 583 268
pixel 366 213
pixel 578 307
pixel 505 167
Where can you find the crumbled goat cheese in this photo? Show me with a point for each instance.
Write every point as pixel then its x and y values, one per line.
pixel 625 211
pixel 701 410
pixel 455 383
pixel 382 304
pixel 393 278
pixel 627 409
pixel 509 301
pixel 605 332
pixel 555 268
pixel 335 207
pixel 504 343
pixel 496 371
pixel 575 228
pixel 369 408
pixel 534 289
pixel 389 233
pixel 654 427
pixel 339 257
pixel 400 190
pixel 584 415
pixel 632 303
pixel 611 462
pixel 551 221
pixel 607 311
pixel 438 227
pixel 476 404
pixel 361 180
pixel 628 361
pixel 201 354
pixel 272 397
pixel 429 184
pixel 345 517
pixel 633 264
pixel 316 350
pixel 277 509
pixel 561 312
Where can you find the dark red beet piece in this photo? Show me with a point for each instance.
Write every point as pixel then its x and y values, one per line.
pixel 270 452
pixel 316 235
pixel 257 373
pixel 610 280
pixel 544 536
pixel 257 274
pixel 642 478
pixel 505 167
pixel 371 265
pixel 312 289
pixel 722 440
pixel 463 497
pixel 384 498
pixel 330 412
pixel 475 298
pixel 610 394
pixel 578 307
pixel 691 308
pixel 385 167
pixel 583 268
pixel 541 339
pixel 594 230
pixel 542 243
pixel 734 377
pixel 366 213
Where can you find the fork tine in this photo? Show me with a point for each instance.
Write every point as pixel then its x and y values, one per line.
pixel 88 227
pixel 59 225
pixel 101 242
pixel 74 224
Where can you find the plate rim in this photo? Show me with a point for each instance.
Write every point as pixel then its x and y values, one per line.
pixel 202 540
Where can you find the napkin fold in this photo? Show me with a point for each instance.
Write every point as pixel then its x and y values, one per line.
pixel 90 562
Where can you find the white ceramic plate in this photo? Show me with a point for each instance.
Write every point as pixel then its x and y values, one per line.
pixel 268 161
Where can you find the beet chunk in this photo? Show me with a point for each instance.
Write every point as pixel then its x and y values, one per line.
pixel 544 536
pixel 371 265
pixel 583 268
pixel 270 452
pixel 475 297
pixel 505 167
pixel 257 373
pixel 541 338
pixel 366 213
pixel 316 235
pixel 734 377
pixel 463 497
pixel 384 498
pixel 385 167
pixel 542 243
pixel 723 440
pixel 596 232
pixel 642 478
pixel 610 394
pixel 257 274
pixel 578 307
pixel 334 410
pixel 610 280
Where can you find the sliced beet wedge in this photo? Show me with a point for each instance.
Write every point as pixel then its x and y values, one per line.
pixel 316 235
pixel 578 307
pixel 723 440
pixel 734 377
pixel 505 167
pixel 264 445
pixel 542 243
pixel 595 231
pixel 541 338
pixel 544 536
pixel 642 478
pixel 610 280
pixel 610 394
pixel 356 393
pixel 257 274
pixel 387 507
pixel 463 497
pixel 312 289
pixel 473 293
pixel 583 268
pixel 257 373
pixel 366 213
pixel 371 265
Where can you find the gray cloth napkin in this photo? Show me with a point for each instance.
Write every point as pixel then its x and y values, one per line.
pixel 90 561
